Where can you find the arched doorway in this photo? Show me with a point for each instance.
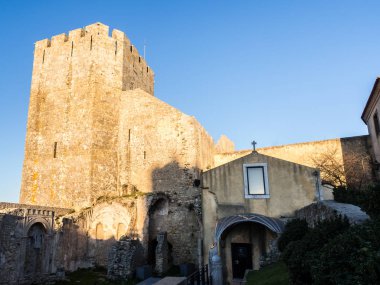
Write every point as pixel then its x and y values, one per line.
pixel 36 251
pixel 244 240
pixel 158 222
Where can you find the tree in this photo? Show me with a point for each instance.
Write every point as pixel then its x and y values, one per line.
pixel 350 169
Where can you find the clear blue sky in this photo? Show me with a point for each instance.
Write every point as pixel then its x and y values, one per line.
pixel 278 72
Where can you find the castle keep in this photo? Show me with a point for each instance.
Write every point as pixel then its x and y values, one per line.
pixel 75 111
pixel 115 177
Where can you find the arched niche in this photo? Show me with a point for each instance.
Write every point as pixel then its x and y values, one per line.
pixel 36 251
pixel 99 232
pixel 121 231
pixel 106 224
pixel 158 222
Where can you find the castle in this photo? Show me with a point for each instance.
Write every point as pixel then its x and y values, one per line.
pixel 105 160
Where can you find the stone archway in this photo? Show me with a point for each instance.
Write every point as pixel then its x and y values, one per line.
pixel 36 251
pixel 243 240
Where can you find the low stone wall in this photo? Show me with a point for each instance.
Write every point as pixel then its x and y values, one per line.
pixel 122 259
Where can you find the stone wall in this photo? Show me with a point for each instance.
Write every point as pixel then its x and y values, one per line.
pixel 86 238
pixel 351 154
pixel 96 133
pixel 71 140
pixel 163 151
pixel 121 260
pixel 27 242
pixel 10 241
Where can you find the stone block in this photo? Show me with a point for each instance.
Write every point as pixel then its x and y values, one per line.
pixel 172 281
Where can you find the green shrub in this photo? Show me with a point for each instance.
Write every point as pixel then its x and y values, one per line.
pixel 368 200
pixel 350 258
pixel 300 255
pixel 294 230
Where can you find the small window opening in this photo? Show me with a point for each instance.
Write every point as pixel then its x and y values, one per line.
pixel 115 48
pixel 147 69
pixel 144 154
pixel 129 135
pixel 376 123
pixel 55 150
pixel 72 48
pixel 131 48
pixel 256 184
pixel 139 58
pixel 91 43
pixel 43 57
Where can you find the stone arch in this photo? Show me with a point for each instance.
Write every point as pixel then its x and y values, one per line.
pixel 275 225
pixel 104 227
pixel 36 260
pixel 32 221
pixel 244 240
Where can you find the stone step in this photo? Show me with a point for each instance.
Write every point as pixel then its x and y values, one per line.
pixel 172 281
pixel 149 281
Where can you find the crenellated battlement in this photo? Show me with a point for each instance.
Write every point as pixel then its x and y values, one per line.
pixel 91 35
pixel 98 29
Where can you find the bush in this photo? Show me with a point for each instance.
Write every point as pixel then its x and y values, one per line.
pixel 368 200
pixel 350 258
pixel 300 255
pixel 294 230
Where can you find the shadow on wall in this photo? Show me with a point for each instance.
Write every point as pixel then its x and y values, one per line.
pixel 174 208
pixel 85 240
pixel 33 257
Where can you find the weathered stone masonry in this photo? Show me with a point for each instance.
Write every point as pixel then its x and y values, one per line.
pixel 98 142
pixel 72 132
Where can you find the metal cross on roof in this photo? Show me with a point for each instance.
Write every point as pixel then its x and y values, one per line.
pixel 254 143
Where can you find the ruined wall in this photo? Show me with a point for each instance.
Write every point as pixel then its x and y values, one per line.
pixel 10 241
pixel 224 145
pixel 162 151
pixel 27 242
pixel 95 133
pixel 71 142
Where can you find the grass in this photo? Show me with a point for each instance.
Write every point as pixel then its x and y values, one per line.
pixel 93 276
pixel 98 276
pixel 274 274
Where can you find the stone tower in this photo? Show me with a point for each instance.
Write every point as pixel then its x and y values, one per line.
pixel 71 144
